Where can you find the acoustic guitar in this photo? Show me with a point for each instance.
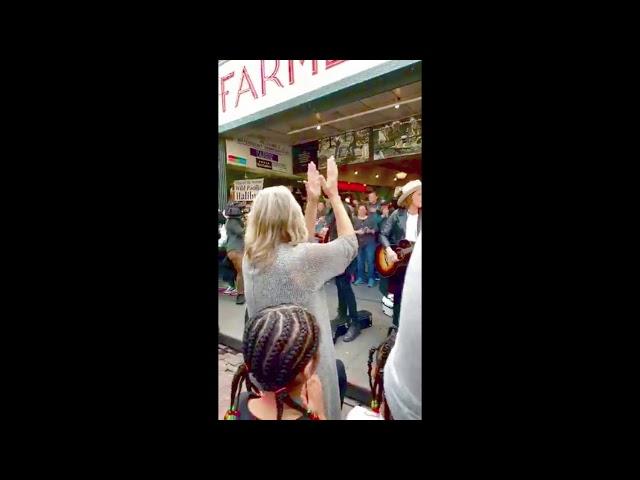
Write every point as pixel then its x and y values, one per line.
pixel 323 236
pixel 385 266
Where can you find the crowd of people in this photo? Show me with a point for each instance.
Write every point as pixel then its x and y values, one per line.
pixel 278 262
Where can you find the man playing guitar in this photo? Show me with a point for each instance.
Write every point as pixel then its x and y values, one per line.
pixel 403 224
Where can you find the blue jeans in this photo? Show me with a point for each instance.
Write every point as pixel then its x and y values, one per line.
pixel 366 255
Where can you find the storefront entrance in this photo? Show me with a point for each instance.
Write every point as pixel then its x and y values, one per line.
pixel 377 142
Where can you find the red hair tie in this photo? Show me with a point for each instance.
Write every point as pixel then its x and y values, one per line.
pixel 283 389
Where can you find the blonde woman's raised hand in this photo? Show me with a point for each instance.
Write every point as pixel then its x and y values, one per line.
pixel 330 184
pixel 313 182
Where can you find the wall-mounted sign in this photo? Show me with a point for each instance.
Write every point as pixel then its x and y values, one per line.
pixel 262 154
pixel 247 190
pixel 249 86
pixel 303 154
pixel 401 137
pixel 350 147
pixel 255 154
pixel 264 164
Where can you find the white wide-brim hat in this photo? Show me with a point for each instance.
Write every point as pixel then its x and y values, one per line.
pixel 407 190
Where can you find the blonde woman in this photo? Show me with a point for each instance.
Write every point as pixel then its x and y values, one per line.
pixel 282 266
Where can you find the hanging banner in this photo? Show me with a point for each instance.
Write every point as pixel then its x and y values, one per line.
pixel 247 190
pixel 401 137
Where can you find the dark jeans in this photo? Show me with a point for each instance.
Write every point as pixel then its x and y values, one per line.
pixel 342 380
pixel 227 271
pixel 366 255
pixel 235 256
pixel 346 298
pixel 396 285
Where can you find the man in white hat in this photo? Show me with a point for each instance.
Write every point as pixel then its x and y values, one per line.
pixel 403 224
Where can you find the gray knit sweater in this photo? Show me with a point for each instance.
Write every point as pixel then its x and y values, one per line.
pixel 297 276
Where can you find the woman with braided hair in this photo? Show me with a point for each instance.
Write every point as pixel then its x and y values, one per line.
pixel 283 265
pixel 375 369
pixel 280 358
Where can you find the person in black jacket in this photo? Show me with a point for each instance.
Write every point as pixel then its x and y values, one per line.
pixel 384 217
pixel 347 307
pixel 405 223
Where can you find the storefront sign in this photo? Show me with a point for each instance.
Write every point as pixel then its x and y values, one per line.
pixel 264 164
pixel 266 155
pixel 246 152
pixel 236 160
pixel 247 190
pixel 303 154
pixel 249 86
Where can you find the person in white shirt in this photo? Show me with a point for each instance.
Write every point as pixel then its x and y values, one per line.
pixel 403 224
pixel 403 372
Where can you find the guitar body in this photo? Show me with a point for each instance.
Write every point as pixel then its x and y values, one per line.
pixel 323 236
pixel 385 267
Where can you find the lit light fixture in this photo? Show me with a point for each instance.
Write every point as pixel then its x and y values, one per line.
pixel 397 106
pixel 394 179
pixel 377 176
pixel 356 172
pixel 318 127
pixel 401 175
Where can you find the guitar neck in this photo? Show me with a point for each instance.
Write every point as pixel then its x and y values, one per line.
pixel 404 251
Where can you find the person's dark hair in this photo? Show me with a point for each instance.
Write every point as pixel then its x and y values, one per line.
pixel 376 382
pixel 233 210
pixel 278 343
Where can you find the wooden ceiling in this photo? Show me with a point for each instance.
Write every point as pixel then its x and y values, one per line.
pixel 279 131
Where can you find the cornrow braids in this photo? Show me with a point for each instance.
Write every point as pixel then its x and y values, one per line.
pixel 236 386
pixel 372 350
pixel 242 373
pixel 294 359
pixel 376 382
pixel 278 343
